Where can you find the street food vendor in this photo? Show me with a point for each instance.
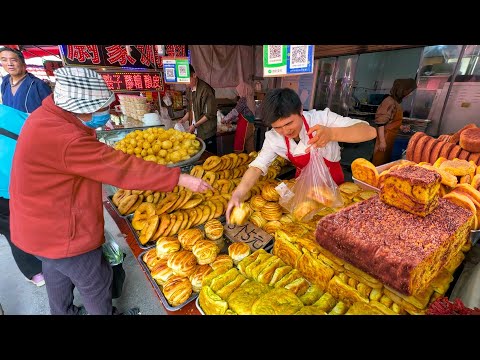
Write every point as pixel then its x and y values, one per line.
pixel 294 132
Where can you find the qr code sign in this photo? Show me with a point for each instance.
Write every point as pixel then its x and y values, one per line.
pixel 170 73
pixel 275 54
pixel 182 70
pixel 298 56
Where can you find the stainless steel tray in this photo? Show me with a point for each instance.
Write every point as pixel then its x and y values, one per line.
pixel 197 304
pixel 158 290
pixel 193 159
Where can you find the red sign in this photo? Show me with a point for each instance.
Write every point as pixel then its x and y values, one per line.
pixel 133 81
pixel 131 56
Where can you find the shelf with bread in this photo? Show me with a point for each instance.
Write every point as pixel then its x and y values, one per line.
pixel 322 266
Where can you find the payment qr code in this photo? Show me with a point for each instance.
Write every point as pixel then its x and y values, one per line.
pixel 275 54
pixel 298 56
pixel 182 70
pixel 170 73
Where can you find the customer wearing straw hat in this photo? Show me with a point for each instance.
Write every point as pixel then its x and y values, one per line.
pixel 56 185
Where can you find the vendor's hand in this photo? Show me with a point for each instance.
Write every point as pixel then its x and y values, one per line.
pixel 193 183
pixel 323 135
pixel 235 200
pixel 382 146
pixel 191 129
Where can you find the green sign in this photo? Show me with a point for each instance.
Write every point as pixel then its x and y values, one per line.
pixel 282 60
pixel 176 70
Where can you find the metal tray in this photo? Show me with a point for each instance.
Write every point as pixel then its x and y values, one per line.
pixel 193 159
pixel 158 290
pixel 197 304
pixel 109 200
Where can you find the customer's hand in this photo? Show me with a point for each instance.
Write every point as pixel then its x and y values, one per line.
pixel 193 183
pixel 191 129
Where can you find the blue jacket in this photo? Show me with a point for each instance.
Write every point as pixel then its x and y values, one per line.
pixel 29 95
pixel 11 120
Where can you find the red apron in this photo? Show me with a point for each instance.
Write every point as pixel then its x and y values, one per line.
pixel 300 161
pixel 240 134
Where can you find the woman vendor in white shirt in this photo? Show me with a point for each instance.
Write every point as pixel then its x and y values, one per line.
pixel 293 132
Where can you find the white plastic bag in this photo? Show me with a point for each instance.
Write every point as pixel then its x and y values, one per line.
pixel 179 126
pixel 313 191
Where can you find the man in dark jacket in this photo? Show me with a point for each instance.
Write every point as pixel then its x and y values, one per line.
pixel 201 116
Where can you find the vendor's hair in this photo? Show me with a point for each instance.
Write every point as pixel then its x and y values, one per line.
pixel 15 51
pixel 280 103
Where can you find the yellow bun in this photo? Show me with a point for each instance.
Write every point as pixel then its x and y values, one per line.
pixel 269 193
pixel 322 194
pixel 257 202
pixel 205 251
pixel 272 226
pixel 365 171
pixel 272 211
pixel 182 262
pixel 213 229
pixel 238 251
pixel 239 214
pixel 161 273
pixel 166 245
pixel 222 261
pixel 197 277
pixel 177 290
pixel 189 237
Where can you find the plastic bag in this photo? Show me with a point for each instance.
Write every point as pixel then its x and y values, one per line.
pixel 313 191
pixel 115 256
pixel 179 126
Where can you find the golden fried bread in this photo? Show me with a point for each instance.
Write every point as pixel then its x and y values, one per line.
pixel 262 265
pixel 222 261
pixel 343 291
pixel 411 188
pixel 223 279
pixel 291 276
pixel 412 144
pixel 262 258
pixel 361 308
pixel 326 302
pixel 272 226
pixel 265 274
pixel 242 299
pixel 298 286
pixel 189 237
pixel 182 263
pixel 239 214
pixel 470 140
pixel 279 273
pixel 271 211
pixel 269 193
pixel 310 310
pixel 211 303
pixel 314 270
pixel 285 249
pixel 277 302
pixel 151 259
pixel 249 259
pixel 311 295
pixel 166 245
pixel 230 287
pixel 257 219
pixel 177 290
pixel 365 171
pixel 213 229
pixel 447 178
pixel 205 251
pixel 161 273
pixel 458 167
pixel 238 251
pixel 207 280
pixel 257 202
pixel 197 276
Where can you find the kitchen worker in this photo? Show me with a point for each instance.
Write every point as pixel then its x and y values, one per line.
pixel 56 208
pixel 293 133
pixel 244 140
pixel 388 118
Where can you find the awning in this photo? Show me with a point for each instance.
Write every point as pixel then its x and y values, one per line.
pixel 31 51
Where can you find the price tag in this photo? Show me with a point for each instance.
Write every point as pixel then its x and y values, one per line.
pixel 250 234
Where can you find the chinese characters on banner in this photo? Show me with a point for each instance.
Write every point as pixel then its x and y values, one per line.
pixel 131 56
pixel 133 81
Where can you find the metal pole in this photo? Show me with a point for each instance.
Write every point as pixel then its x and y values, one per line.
pixel 457 66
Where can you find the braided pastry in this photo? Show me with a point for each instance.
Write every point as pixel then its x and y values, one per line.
pixel 213 229
pixel 119 195
pixel 209 177
pixel 126 203
pixel 136 205
pixel 141 214
pixel 269 193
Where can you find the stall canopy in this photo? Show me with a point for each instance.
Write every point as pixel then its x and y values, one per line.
pixel 31 51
